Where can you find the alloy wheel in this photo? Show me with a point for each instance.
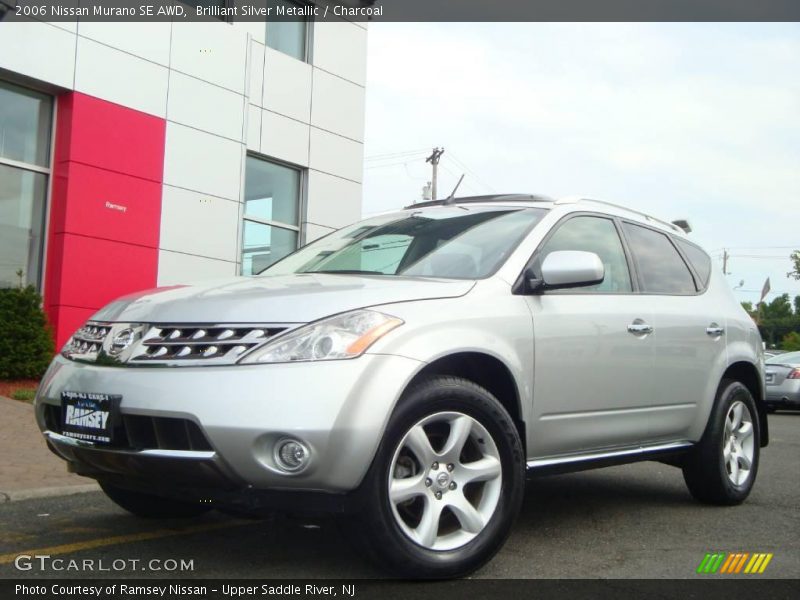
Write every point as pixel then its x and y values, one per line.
pixel 738 443
pixel 445 481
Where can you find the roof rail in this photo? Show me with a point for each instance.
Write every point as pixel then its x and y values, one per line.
pixel 486 198
pixel 573 200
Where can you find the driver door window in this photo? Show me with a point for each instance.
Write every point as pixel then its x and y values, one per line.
pixel 598 235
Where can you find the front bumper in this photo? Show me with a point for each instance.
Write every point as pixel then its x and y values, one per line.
pixel 339 409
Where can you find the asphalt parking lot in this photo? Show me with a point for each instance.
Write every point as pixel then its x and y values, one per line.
pixel 633 521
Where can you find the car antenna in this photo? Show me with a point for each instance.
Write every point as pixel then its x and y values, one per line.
pixel 451 198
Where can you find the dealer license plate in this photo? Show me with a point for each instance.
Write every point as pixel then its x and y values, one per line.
pixel 89 416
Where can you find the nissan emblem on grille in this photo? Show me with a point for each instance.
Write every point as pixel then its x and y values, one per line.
pixel 121 341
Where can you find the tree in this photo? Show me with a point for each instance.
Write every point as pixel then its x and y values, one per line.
pixel 779 308
pixel 777 319
pixel 791 341
pixel 795 272
pixel 26 342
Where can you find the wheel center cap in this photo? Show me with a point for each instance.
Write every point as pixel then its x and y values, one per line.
pixel 443 480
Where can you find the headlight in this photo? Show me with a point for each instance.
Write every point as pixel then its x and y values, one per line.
pixel 343 336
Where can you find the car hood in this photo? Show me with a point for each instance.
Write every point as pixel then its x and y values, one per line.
pixel 298 298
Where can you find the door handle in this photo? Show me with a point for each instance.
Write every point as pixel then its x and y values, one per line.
pixel 715 330
pixel 639 327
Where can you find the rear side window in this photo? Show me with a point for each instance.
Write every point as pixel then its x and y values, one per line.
pixel 700 260
pixel 661 268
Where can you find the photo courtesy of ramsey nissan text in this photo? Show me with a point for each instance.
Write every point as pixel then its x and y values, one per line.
pixel 357 298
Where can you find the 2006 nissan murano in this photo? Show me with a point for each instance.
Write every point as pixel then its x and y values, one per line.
pixel 406 371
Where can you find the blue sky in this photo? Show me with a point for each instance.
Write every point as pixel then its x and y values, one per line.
pixel 697 121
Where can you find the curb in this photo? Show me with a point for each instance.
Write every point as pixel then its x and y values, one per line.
pixel 47 492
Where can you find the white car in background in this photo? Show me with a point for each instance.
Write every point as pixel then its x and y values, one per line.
pixel 782 373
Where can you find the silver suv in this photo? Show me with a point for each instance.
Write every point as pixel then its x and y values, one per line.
pixel 405 372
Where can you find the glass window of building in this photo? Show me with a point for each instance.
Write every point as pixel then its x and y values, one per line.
pixel 25 124
pixel 271 214
pixel 285 33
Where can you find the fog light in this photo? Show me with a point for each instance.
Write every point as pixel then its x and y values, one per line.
pixel 291 455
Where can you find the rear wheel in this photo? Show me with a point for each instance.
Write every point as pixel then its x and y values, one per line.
pixel 151 506
pixel 446 484
pixel 722 468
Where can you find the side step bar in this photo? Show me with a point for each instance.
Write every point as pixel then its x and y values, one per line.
pixel 578 462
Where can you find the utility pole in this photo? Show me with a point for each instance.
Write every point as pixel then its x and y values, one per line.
pixel 725 256
pixel 436 154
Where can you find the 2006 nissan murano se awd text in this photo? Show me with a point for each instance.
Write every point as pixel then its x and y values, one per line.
pixel 404 373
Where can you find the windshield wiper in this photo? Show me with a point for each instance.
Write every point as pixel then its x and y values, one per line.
pixel 347 272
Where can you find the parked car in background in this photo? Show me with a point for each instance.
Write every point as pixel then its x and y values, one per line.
pixel 404 372
pixel 782 375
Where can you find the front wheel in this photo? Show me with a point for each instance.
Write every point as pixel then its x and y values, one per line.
pixel 446 484
pixel 722 468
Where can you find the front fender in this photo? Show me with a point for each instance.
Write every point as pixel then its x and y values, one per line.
pixel 502 329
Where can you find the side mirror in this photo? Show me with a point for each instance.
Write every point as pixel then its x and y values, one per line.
pixel 566 269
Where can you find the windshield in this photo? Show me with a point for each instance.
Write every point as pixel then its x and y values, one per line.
pixel 786 358
pixel 449 241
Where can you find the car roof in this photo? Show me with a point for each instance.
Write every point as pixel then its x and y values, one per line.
pixel 546 201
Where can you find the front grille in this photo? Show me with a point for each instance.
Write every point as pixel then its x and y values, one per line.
pixel 190 343
pixel 87 341
pixel 167 344
pixel 164 433
pixel 139 432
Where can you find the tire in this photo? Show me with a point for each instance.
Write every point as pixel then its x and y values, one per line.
pixel 716 472
pixel 474 517
pixel 151 506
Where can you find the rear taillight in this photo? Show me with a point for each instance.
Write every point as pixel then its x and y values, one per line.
pixel 793 374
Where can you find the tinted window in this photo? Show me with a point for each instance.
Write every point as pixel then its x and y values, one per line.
pixel 598 235
pixel 661 268
pixel 271 213
pixel 287 34
pixel 25 122
pixel 699 260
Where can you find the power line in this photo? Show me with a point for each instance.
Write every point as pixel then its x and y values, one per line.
pixel 461 163
pixel 779 292
pixel 392 155
pixel 796 247
pixel 757 256
pixel 470 186
pixel 767 256
pixel 394 164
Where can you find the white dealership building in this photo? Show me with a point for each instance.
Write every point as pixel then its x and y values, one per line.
pixel 135 155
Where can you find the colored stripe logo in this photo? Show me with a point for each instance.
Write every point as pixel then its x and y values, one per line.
pixel 734 563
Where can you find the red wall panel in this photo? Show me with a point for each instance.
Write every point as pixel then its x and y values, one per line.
pixel 110 136
pixel 95 271
pixel 105 210
pixel 110 205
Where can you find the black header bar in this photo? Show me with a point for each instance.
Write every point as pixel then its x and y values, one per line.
pixel 405 10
